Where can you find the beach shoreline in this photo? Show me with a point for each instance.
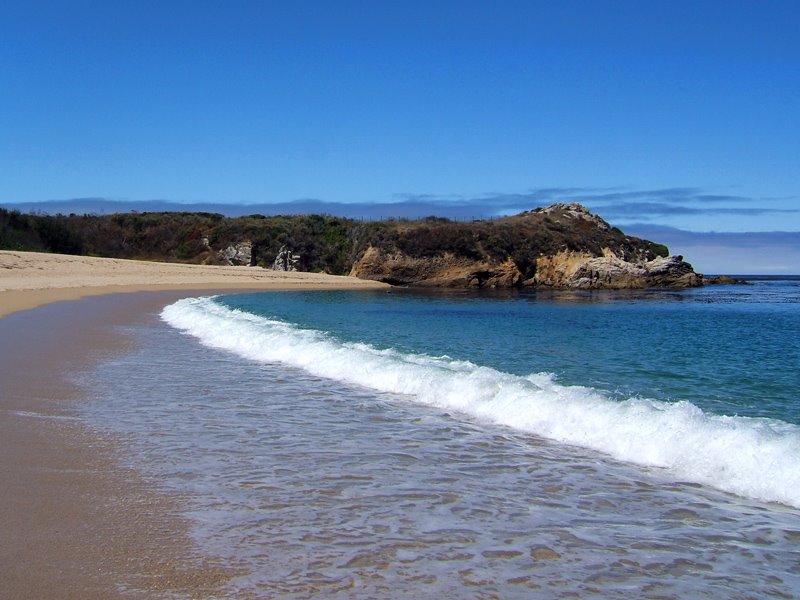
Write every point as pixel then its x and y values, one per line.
pixel 31 279
pixel 75 522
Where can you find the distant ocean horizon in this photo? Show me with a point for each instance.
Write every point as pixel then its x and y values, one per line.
pixel 757 277
pixel 521 444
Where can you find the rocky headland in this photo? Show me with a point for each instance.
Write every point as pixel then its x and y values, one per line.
pixel 562 246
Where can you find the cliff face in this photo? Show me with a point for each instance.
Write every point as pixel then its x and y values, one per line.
pixel 565 270
pixel 563 246
pixel 446 270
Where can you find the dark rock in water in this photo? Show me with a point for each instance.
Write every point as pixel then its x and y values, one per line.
pixel 724 280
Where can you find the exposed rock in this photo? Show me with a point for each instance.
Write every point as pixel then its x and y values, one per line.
pixel 438 271
pixel 563 246
pixel 238 254
pixel 565 270
pixel 571 210
pixel 581 271
pixel 397 268
pixel 723 280
pixel 504 275
pixel 671 271
pixel 285 260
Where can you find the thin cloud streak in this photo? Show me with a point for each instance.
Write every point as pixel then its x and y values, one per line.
pixel 748 239
pixel 766 253
pixel 611 203
pixel 651 210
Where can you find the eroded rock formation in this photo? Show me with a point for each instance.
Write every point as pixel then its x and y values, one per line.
pixel 238 254
pixel 563 246
pixel 285 260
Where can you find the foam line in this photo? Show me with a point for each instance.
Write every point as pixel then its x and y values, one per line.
pixel 751 457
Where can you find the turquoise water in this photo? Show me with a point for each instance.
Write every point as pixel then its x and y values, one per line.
pixel 732 350
pixel 364 445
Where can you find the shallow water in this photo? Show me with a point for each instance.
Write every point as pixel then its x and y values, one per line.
pixel 731 350
pixel 314 486
pixel 490 344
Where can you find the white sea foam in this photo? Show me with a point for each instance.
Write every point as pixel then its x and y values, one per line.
pixel 751 457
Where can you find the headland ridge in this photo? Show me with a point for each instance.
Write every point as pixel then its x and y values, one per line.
pixel 561 246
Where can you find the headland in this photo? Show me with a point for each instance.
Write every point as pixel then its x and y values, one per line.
pixel 558 247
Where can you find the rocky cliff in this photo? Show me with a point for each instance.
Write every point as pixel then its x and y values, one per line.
pixel 563 246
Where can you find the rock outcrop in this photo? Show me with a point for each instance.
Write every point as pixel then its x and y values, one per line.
pixel 724 280
pixel 568 270
pixel 238 254
pixel 563 246
pixel 582 271
pixel 446 270
pixel 285 260
pixel 570 211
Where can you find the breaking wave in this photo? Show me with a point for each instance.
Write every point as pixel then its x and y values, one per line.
pixel 751 457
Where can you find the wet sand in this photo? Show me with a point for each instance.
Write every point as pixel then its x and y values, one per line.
pixel 75 523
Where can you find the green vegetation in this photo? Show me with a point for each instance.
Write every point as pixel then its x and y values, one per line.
pixel 659 249
pixel 324 243
pixel 38 233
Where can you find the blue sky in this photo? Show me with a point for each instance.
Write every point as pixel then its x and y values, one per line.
pixel 660 116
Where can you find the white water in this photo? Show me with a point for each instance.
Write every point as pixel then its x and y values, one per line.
pixel 751 457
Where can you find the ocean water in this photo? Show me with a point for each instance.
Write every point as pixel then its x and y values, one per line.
pixel 373 444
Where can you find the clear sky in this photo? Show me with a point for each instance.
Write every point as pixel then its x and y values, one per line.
pixel 652 113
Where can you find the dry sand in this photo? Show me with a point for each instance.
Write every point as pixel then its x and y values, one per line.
pixel 30 279
pixel 74 523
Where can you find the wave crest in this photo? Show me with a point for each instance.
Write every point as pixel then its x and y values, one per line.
pixel 750 457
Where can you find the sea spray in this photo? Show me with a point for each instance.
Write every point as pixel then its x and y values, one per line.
pixel 747 456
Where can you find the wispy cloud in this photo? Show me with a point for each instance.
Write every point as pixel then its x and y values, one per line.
pixel 614 204
pixel 667 195
pixel 744 239
pixel 652 210
pixel 410 208
pixel 762 252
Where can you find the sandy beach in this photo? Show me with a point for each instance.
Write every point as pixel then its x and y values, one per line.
pixel 74 522
pixel 30 279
